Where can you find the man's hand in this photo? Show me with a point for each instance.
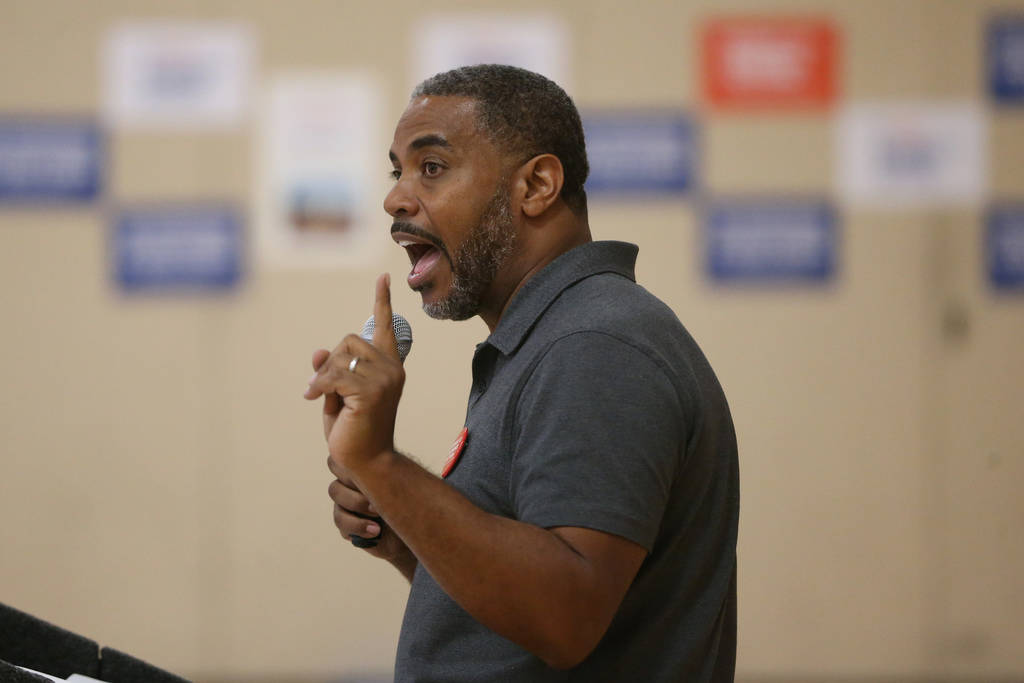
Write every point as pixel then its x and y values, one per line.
pixel 349 504
pixel 360 400
pixel 359 419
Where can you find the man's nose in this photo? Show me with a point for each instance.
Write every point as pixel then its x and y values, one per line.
pixel 399 201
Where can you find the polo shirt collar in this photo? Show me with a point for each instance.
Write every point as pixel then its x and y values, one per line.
pixel 530 302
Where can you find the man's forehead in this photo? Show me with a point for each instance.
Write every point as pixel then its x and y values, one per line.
pixel 442 120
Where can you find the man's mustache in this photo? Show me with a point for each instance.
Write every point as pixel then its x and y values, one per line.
pixel 416 231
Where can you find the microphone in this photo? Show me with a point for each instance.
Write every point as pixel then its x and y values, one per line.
pixel 403 340
pixel 403 334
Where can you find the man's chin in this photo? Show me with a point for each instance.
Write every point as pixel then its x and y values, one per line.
pixel 448 309
pixel 448 301
pixel 432 305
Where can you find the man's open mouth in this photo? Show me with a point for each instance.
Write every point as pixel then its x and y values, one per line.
pixel 421 256
pixel 424 252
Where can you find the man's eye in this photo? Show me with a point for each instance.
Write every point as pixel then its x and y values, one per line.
pixel 431 169
pixel 395 174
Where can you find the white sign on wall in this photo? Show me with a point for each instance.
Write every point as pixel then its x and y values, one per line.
pixel 322 171
pixel 537 42
pixel 166 74
pixel 912 155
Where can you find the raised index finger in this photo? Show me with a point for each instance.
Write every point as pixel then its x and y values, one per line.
pixel 383 329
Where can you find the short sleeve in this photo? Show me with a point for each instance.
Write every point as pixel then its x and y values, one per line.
pixel 597 436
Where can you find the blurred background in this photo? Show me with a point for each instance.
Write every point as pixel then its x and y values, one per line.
pixel 830 194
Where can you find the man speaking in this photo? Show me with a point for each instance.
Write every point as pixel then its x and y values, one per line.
pixel 585 525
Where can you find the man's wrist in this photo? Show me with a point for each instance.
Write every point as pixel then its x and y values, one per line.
pixel 405 562
pixel 374 468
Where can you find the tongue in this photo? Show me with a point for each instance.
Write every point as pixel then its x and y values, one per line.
pixel 428 259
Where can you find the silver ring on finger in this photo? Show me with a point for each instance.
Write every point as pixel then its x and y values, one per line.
pixel 352 364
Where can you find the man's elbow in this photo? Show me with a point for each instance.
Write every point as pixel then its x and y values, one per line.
pixel 565 661
pixel 567 647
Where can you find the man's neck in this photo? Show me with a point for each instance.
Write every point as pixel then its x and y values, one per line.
pixel 529 263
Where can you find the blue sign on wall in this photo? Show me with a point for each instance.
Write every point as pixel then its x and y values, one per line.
pixel 50 160
pixel 1004 247
pixel 1005 57
pixel 636 152
pixel 770 240
pixel 170 248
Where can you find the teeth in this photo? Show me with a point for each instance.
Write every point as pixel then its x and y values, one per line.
pixel 405 243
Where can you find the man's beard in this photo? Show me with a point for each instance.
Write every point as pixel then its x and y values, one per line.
pixel 478 259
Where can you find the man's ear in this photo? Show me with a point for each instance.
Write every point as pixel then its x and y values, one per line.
pixel 540 180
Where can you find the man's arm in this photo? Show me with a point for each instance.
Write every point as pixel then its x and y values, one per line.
pixel 565 583
pixel 553 591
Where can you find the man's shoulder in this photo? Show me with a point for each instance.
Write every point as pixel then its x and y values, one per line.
pixel 608 303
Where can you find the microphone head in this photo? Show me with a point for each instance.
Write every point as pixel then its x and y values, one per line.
pixel 403 334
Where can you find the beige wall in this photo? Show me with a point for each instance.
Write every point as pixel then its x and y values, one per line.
pixel 162 482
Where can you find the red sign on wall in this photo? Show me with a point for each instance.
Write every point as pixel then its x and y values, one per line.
pixel 751 63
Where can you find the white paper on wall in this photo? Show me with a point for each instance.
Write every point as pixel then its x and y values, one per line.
pixel 912 155
pixel 322 168
pixel 172 75
pixel 538 42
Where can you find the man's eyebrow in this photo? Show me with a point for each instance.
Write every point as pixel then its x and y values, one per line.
pixel 431 140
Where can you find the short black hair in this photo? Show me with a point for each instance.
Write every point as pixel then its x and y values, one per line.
pixel 524 114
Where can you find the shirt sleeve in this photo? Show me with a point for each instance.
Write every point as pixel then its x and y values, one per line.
pixel 598 435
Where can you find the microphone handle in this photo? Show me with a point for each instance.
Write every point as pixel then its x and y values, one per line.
pixel 362 541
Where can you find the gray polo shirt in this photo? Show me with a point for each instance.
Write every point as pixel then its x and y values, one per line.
pixel 592 406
